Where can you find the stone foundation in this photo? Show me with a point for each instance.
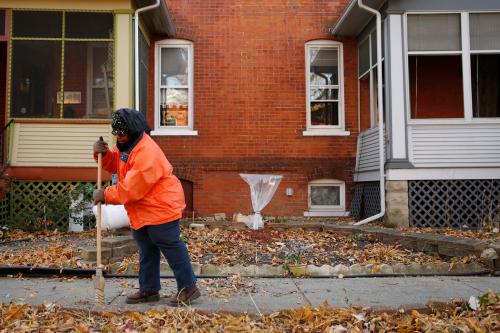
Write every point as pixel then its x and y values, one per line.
pixel 396 202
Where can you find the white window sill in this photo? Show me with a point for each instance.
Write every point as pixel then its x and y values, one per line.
pixel 174 132
pixel 326 132
pixel 313 213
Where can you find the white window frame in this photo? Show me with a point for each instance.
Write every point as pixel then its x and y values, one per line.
pixel 171 130
pixel 371 71
pixel 466 70
pixel 330 130
pixel 337 210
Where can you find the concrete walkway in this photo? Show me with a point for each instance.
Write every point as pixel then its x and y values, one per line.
pixel 269 295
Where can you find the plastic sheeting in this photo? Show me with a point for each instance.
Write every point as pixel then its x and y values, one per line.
pixel 112 216
pixel 262 189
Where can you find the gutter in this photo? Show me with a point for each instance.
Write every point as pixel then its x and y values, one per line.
pixel 380 114
pixel 136 49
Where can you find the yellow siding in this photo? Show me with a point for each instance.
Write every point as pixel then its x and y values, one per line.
pixel 68 4
pixel 56 145
pixel 123 58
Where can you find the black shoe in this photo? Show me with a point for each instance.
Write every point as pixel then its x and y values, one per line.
pixel 143 297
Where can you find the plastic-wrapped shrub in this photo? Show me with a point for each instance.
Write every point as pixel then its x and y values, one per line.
pixel 262 189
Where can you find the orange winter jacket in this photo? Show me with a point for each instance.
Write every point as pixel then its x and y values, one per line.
pixel 151 193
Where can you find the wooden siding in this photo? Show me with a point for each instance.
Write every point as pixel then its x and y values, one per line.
pixel 367 156
pixel 56 145
pixel 471 145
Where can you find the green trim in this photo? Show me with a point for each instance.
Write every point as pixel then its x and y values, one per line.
pixel 132 77
pixel 9 74
pixel 66 39
pixel 61 106
pixel 62 10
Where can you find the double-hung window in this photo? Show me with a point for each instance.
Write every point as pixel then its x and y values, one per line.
pixel 174 88
pixel 324 89
pixel 454 65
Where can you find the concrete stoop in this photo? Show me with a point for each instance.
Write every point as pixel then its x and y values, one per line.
pixel 325 270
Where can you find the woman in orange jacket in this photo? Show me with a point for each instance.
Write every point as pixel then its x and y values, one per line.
pixel 154 200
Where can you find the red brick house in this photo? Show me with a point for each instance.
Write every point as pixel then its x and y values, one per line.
pixel 268 87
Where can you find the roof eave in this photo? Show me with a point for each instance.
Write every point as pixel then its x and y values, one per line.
pixel 157 20
pixel 354 19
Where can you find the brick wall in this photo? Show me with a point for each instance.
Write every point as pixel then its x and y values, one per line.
pixel 250 103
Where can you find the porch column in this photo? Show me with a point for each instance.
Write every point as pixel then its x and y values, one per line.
pixel 123 61
pixel 398 139
pixel 396 203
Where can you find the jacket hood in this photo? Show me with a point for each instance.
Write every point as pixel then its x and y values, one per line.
pixel 133 119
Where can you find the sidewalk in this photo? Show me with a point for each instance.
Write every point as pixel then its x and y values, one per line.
pixel 269 295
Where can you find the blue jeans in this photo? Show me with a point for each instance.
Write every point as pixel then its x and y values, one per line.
pixel 152 239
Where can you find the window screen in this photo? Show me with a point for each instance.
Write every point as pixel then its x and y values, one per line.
pixel 436 32
pixel 89 25
pixel 485 31
pixel 364 56
pixel 37 24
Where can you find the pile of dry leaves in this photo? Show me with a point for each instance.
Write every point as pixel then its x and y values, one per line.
pixel 455 317
pixel 230 247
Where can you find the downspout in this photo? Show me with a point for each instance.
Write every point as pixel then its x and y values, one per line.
pixel 380 114
pixel 136 49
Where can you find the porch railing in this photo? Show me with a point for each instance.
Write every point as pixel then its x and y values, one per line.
pixel 367 155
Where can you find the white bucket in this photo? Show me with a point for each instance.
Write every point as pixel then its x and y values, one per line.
pixel 112 216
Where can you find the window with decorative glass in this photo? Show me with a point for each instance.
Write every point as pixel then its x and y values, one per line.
pixel 174 88
pixel 62 64
pixel 326 197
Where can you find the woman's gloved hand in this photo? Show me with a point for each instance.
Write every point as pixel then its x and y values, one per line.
pixel 101 147
pixel 98 196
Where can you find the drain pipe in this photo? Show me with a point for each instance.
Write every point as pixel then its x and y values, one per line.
pixel 136 49
pixel 380 114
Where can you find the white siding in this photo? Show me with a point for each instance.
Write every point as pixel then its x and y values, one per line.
pixel 471 145
pixel 367 158
pixel 56 145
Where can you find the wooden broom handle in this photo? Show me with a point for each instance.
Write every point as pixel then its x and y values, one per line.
pixel 99 186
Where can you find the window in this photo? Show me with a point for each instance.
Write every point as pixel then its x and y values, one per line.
pixel 174 88
pixel 62 65
pixel 325 109
pixel 435 66
pixel 326 198
pixel 367 76
pixel 485 64
pixel 447 53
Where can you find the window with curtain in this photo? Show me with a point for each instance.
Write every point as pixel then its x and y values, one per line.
pixel 437 73
pixel 435 66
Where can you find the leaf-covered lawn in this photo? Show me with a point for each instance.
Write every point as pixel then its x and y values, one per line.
pixel 228 247
pixel 455 317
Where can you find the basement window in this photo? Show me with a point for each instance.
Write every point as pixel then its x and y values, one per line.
pixel 326 197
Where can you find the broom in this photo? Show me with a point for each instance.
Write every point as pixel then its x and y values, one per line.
pixel 98 277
